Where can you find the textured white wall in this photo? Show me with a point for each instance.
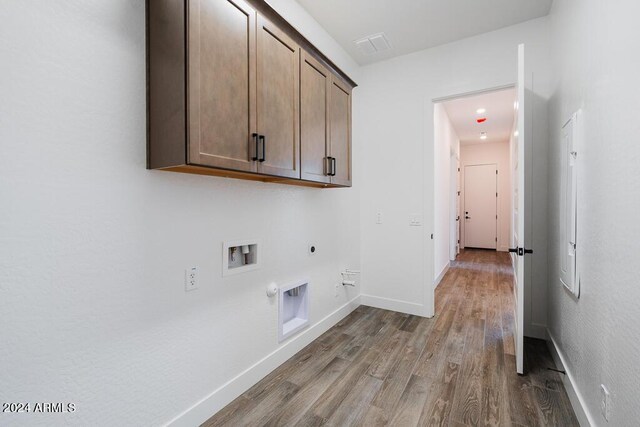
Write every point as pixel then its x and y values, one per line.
pixel 445 140
pixel 396 127
pixel 498 153
pixel 93 246
pixel 454 186
pixel 596 62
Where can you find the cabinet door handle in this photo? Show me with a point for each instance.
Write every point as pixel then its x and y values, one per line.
pixel 264 148
pixel 255 140
pixel 327 166
pixel 333 166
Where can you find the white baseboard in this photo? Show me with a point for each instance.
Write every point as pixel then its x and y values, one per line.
pixel 577 400
pixel 225 394
pixel 394 305
pixel 441 275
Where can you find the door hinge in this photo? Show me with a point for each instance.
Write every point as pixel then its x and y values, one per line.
pixel 496 172
pixel 458 193
pixel 496 239
pixel 431 236
pixel 458 169
pixel 496 194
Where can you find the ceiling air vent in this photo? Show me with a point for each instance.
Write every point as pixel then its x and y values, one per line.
pixel 373 43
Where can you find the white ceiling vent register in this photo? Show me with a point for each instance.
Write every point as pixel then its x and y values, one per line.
pixel 373 44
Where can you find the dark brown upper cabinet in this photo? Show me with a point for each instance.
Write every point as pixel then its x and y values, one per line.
pixel 325 122
pixel 278 102
pixel 222 84
pixel 234 90
pixel 340 128
pixel 315 86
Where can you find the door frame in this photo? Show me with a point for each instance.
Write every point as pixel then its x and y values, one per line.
pixel 430 205
pixel 463 205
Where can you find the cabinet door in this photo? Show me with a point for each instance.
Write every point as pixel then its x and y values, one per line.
pixel 222 84
pixel 278 101
pixel 315 84
pixel 340 119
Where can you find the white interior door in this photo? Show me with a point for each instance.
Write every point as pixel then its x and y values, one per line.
pixel 480 206
pixel 521 225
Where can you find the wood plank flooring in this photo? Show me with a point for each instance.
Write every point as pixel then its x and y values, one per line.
pixel 379 367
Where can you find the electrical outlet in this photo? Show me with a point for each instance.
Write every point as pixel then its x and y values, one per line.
pixel 378 217
pixel 605 404
pixel 191 279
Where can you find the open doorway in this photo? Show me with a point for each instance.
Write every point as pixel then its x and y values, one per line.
pixel 464 129
pixel 473 174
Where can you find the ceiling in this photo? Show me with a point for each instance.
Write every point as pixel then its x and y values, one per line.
pixel 500 115
pixel 413 25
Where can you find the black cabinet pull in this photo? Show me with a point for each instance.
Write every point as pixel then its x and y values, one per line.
pixel 255 140
pixel 264 148
pixel 327 166
pixel 333 166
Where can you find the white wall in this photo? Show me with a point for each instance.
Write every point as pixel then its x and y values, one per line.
pixel 454 187
pixel 498 153
pixel 595 46
pixel 446 143
pixel 93 246
pixel 395 121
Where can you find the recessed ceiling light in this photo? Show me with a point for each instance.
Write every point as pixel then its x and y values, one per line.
pixel 481 110
pixel 516 133
pixel 483 135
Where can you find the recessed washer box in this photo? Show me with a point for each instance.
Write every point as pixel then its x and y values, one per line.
pixel 240 256
pixel 293 309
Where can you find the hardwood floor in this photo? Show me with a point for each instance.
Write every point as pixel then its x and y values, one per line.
pixel 379 367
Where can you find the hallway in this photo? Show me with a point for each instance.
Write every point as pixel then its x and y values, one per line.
pixel 378 367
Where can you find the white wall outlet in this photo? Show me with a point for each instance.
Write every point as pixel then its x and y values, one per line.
pixel 415 220
pixel 379 217
pixel 312 249
pixel 605 403
pixel 191 279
